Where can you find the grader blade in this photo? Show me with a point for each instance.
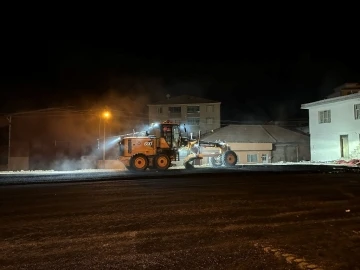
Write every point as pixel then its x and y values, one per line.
pixel 189 159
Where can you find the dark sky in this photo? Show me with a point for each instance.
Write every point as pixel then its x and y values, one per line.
pixel 253 80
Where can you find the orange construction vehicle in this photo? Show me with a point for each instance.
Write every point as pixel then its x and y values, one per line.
pixel 157 147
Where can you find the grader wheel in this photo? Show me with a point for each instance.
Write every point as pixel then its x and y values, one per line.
pixel 139 162
pixel 229 158
pixel 162 162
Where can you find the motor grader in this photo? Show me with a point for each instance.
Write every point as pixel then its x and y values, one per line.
pixel 158 147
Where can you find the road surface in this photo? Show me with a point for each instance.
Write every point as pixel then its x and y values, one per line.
pixel 223 220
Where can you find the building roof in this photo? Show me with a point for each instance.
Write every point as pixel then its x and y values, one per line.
pixel 184 99
pixel 330 100
pixel 256 134
pixel 347 86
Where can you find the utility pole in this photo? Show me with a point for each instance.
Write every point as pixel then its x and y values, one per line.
pixel 9 151
pixel 99 127
pixel 104 146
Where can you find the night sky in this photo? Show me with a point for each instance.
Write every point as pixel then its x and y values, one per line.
pixel 262 81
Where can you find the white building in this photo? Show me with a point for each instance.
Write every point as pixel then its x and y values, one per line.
pixel 334 125
pixel 196 112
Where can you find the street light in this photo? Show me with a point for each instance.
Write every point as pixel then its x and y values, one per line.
pixel 105 115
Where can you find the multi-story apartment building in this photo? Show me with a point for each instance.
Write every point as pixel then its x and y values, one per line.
pixel 195 112
pixel 334 126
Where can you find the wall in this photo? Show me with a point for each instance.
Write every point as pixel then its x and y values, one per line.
pixel 243 149
pixel 19 156
pixel 56 140
pixel 55 127
pixel 242 156
pixel 325 138
pixel 18 164
pixel 154 116
pixel 251 146
pixel 278 152
pixel 291 152
pixel 204 115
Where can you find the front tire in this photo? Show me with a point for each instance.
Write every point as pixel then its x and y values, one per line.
pixel 139 162
pixel 162 162
pixel 229 158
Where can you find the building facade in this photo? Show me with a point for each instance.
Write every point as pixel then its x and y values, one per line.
pixel 57 139
pixel 334 126
pixel 198 114
pixel 255 144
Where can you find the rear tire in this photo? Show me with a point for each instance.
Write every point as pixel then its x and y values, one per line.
pixel 139 162
pixel 162 162
pixel 229 158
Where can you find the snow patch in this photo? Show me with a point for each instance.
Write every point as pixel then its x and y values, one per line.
pixel 330 163
pixel 62 172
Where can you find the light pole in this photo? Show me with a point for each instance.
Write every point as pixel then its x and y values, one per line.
pixel 105 115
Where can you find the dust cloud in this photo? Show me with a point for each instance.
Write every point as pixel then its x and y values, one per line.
pixel 70 135
pixel 127 99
